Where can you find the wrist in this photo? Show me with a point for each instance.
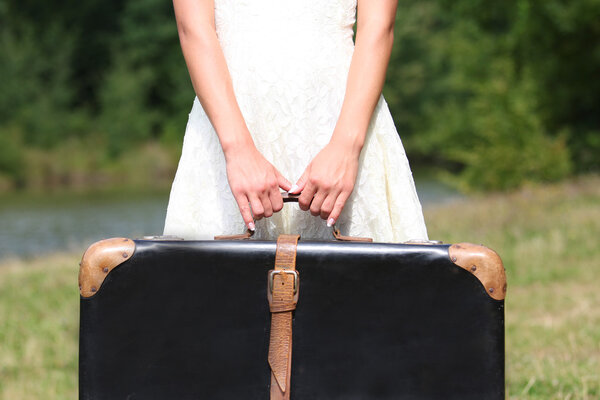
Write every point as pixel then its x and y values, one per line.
pixel 348 140
pixel 236 142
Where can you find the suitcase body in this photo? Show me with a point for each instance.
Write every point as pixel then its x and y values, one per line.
pixel 181 319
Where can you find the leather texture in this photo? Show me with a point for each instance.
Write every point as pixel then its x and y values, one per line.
pixel 484 263
pixel 189 320
pixel 281 305
pixel 99 259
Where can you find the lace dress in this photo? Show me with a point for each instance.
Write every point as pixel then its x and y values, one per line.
pixel 289 62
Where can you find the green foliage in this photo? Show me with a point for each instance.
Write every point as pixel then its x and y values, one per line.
pixel 557 41
pixel 11 157
pixel 36 94
pixel 125 119
pixel 147 52
pixel 475 89
pixel 497 137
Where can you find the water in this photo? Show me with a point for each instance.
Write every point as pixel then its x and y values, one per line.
pixel 31 225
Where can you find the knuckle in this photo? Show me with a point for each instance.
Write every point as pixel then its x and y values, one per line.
pixel 326 210
pixel 237 188
pixel 303 203
pixel 314 180
pixel 262 188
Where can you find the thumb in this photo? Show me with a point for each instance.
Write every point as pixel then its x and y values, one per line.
pixel 282 182
pixel 299 186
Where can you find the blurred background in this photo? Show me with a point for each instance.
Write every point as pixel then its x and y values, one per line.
pixel 497 104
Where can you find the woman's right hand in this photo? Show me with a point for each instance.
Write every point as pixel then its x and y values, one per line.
pixel 251 177
pixel 254 180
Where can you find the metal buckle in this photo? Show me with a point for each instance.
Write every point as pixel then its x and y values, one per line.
pixel 271 279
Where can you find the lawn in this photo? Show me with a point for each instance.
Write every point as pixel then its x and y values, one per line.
pixel 547 236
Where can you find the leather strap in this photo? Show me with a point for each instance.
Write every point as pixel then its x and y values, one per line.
pixel 283 294
pixel 339 236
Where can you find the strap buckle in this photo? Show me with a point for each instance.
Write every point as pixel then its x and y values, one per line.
pixel 271 279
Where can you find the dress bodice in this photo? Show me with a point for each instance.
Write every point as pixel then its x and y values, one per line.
pixel 263 32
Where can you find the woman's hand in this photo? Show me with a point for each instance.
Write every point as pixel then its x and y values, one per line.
pixel 331 175
pixel 253 179
pixel 328 181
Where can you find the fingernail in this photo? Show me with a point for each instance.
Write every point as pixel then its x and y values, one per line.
pixel 330 222
pixel 251 226
pixel 293 189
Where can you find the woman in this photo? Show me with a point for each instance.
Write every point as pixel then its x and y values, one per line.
pixel 286 100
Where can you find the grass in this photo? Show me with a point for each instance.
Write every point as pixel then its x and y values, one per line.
pixel 548 238
pixel 39 316
pixel 546 235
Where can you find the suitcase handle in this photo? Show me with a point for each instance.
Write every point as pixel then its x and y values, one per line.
pixel 293 198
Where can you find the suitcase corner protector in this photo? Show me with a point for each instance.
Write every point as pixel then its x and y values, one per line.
pixel 484 263
pixel 99 259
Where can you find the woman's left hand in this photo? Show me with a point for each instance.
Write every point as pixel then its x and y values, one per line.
pixel 328 181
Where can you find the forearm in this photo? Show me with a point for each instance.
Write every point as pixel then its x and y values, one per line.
pixel 209 73
pixel 365 81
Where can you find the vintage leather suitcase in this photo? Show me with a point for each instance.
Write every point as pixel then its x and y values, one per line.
pixel 175 319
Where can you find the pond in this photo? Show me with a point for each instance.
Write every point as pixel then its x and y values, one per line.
pixel 31 224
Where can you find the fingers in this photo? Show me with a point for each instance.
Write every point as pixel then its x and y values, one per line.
pixel 276 200
pixel 260 206
pixel 255 184
pixel 283 183
pixel 306 197
pixel 257 206
pixel 328 203
pixel 301 183
pixel 317 201
pixel 275 195
pixel 266 203
pixel 244 206
pixel 338 207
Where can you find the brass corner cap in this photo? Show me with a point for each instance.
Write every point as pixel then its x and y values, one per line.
pixel 99 259
pixel 484 263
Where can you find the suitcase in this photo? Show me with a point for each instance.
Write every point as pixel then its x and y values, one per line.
pixel 164 318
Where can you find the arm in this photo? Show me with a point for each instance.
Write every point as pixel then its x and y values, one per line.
pixel 329 179
pixel 374 40
pixel 251 177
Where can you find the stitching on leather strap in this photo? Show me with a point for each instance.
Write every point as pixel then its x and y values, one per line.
pixel 282 291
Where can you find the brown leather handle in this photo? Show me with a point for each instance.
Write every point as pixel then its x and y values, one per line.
pixel 293 198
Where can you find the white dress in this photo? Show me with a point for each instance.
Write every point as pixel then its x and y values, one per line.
pixel 289 62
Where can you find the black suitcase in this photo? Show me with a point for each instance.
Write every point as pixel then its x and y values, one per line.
pixel 178 319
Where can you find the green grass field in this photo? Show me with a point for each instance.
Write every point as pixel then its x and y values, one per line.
pixel 548 237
